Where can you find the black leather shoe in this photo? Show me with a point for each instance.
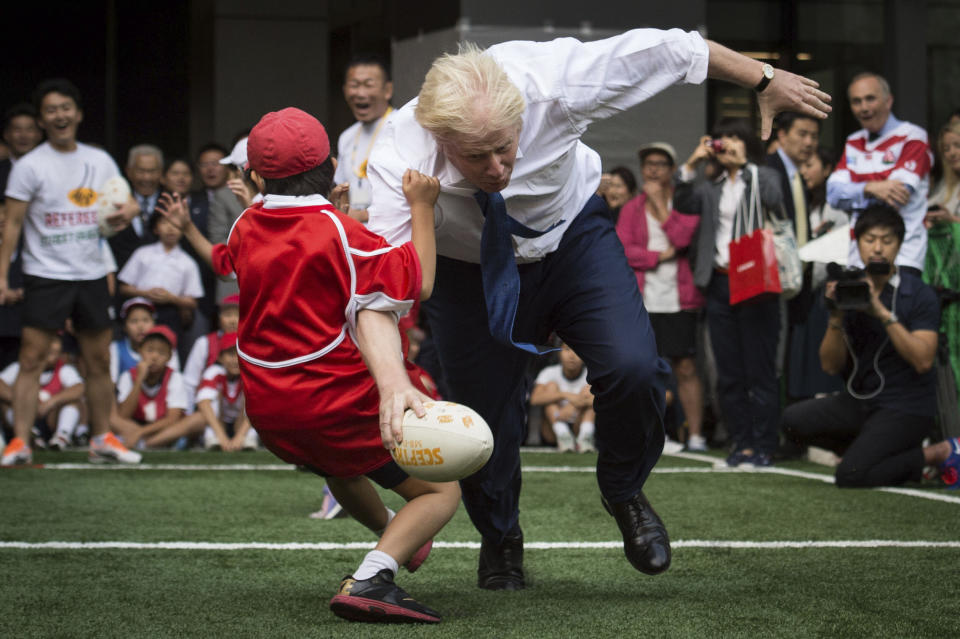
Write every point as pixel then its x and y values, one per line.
pixel 645 541
pixel 501 565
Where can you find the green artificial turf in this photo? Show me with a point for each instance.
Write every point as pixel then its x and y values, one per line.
pixel 573 592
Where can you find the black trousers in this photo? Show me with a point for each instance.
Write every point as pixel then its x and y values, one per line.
pixel 744 341
pixel 879 446
pixel 587 292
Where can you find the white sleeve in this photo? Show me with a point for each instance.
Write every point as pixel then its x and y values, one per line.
pixel 22 184
pixel 209 390
pixel 69 376
pixel 402 144
pixel 131 271
pixel 124 386
pixel 193 285
pixel 341 175
pixel 208 393
pixel 9 374
pixel 114 362
pixel 547 375
pixel 598 79
pixel 193 369
pixel 176 392
pixel 108 260
pixel 174 362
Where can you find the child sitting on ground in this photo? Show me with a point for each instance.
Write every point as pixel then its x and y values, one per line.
pixel 163 273
pixel 137 317
pixel 564 393
pixel 205 350
pixel 322 369
pixel 59 403
pixel 151 397
pixel 219 412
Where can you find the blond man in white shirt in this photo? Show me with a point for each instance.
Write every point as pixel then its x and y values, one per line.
pixel 501 130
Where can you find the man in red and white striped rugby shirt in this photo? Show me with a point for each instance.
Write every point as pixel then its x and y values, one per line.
pixel 887 160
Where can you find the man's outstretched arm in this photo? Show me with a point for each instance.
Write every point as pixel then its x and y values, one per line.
pixel 786 92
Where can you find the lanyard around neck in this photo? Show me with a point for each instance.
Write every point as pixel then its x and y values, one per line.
pixel 361 170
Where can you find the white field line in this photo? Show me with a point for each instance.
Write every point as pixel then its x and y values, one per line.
pixel 716 467
pixel 471 545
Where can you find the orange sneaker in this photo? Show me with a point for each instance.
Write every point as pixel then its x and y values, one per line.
pixel 16 453
pixel 108 449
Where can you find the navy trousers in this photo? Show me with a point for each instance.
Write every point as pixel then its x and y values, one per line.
pixel 587 293
pixel 744 340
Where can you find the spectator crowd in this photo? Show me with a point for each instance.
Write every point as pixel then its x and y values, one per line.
pixel 151 361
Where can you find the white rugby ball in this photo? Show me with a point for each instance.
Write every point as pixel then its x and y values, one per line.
pixel 114 191
pixel 450 442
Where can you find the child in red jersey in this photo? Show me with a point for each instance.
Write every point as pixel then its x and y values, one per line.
pixel 320 356
pixel 151 396
pixel 219 413
pixel 206 348
pixel 59 402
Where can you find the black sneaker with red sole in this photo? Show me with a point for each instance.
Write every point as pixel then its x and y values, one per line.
pixel 379 600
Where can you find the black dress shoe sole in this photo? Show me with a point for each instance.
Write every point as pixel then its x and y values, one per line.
pixel 501 582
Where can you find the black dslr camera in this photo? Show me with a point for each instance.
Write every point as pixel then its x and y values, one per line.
pixel 853 292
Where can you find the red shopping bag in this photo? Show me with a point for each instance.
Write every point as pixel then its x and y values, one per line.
pixel 753 266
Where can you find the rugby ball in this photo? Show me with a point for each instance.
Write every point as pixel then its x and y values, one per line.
pixel 114 192
pixel 450 442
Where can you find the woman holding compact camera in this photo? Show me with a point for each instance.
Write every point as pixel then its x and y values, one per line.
pixel 743 336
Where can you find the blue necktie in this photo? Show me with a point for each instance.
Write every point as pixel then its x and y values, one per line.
pixel 501 279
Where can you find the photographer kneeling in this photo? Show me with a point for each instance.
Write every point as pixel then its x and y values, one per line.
pixel 882 337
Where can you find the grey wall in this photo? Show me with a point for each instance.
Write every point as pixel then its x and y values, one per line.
pixel 255 57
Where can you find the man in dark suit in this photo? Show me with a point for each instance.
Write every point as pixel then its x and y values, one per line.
pixel 798 136
pixel 144 170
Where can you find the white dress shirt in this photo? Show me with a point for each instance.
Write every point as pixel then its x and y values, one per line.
pixel 566 84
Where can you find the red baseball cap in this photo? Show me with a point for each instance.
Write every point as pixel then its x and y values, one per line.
pixel 164 332
pixel 287 142
pixel 228 340
pixel 230 300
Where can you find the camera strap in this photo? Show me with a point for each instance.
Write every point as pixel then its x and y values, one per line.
pixel 895 282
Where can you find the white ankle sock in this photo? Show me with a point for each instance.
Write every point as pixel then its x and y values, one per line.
pixel 374 562
pixel 562 429
pixel 390 516
pixel 67 420
pixel 586 431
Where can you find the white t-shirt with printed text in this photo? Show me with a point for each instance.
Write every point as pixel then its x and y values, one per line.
pixel 61 240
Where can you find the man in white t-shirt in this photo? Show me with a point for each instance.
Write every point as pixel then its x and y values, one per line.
pixel 52 198
pixel 367 89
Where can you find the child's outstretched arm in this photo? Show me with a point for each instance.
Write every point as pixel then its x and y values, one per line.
pixel 379 342
pixel 421 192
pixel 175 210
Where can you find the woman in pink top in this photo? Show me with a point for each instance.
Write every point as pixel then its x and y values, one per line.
pixel 655 239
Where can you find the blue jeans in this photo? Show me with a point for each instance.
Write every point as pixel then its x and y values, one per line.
pixel 587 293
pixel 744 340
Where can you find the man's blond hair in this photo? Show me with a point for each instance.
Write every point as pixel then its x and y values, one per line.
pixel 468 95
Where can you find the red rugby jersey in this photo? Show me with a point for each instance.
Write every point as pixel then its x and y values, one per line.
pixel 304 271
